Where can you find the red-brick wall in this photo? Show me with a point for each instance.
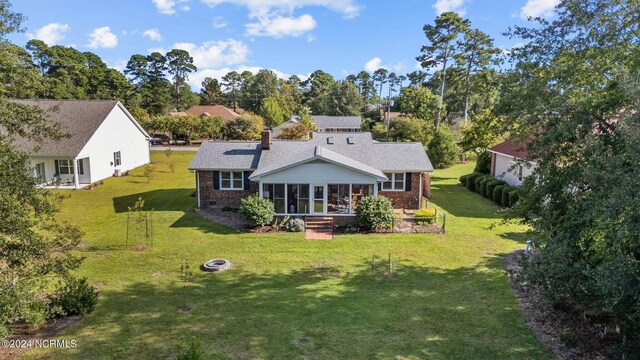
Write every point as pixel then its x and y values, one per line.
pixel 221 197
pixel 406 199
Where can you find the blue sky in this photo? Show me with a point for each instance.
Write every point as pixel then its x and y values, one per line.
pixel 287 36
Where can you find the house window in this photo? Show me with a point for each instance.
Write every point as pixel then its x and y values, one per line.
pixel 338 199
pixel 117 158
pixel 297 198
pixel 231 180
pixel 358 191
pixel 395 182
pixel 65 167
pixel 517 169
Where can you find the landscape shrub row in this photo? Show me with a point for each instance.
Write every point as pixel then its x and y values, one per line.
pixel 493 189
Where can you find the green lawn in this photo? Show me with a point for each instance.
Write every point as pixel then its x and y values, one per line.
pixel 449 299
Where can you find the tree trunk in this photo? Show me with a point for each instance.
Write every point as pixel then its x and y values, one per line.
pixel 466 93
pixel 442 81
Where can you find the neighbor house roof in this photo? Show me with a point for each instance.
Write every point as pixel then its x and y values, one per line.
pixel 79 119
pixel 337 122
pixel 353 148
pixel 211 110
pixel 226 155
pixel 513 149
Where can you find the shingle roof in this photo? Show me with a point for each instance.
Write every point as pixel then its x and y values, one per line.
pixel 78 118
pixel 337 122
pixel 518 150
pixel 386 157
pixel 212 110
pixel 226 155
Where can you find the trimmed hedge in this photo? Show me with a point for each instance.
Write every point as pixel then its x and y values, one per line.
pixel 491 188
pixel 497 193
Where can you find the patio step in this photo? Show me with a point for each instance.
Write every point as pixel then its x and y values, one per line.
pixel 319 227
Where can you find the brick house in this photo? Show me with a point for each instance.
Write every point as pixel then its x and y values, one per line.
pixel 326 175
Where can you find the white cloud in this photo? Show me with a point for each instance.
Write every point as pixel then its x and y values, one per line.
pixel 102 38
pixel 119 65
pixel 152 34
pixel 373 64
pixel 216 53
pixel 195 80
pixel 51 34
pixel 263 7
pixel 219 22
pixel 538 8
pixel 168 7
pixel 280 26
pixel 450 5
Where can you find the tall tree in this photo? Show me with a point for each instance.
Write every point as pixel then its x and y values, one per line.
pixel 573 91
pixel 477 53
pixel 38 50
pixel 364 82
pixel 318 87
pixel 36 250
pixel 137 68
pixel 180 65
pixel 231 82
pixel 210 93
pixel 417 78
pixel 442 48
pixel 380 77
pixel 344 100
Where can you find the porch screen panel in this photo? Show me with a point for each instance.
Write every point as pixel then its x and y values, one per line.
pixel 338 199
pixel 297 198
pixel 278 198
pixel 358 191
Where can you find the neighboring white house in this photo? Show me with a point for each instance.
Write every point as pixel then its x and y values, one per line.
pixel 510 162
pixel 103 140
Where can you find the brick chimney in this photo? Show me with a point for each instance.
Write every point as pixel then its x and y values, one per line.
pixel 266 139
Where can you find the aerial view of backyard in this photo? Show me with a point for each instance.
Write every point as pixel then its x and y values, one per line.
pixel 289 297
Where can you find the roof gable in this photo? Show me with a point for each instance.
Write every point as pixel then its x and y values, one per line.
pixel 513 149
pixel 79 119
pixel 211 110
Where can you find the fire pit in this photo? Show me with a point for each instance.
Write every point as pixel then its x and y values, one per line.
pixel 216 265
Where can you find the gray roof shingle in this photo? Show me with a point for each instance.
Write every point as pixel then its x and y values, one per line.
pixel 337 122
pixel 227 155
pixel 78 118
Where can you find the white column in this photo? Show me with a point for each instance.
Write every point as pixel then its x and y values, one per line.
pixel 76 182
pixel 198 187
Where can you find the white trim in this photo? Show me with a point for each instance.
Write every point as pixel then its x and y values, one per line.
pixel 393 180
pixel 314 159
pixel 231 180
pixel 513 157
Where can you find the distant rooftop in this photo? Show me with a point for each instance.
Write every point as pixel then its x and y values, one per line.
pixel 337 122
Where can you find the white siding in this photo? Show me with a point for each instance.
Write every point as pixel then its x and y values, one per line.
pixel 49 167
pixel 116 133
pixel 318 171
pixel 504 171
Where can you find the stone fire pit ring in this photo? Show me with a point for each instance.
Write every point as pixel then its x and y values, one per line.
pixel 216 265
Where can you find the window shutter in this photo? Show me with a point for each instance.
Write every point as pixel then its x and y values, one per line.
pixel 57 172
pixel 247 183
pixel 407 182
pixel 216 180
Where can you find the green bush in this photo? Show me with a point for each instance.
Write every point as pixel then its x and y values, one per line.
pixel 374 213
pixel 471 181
pixel 76 297
pixel 497 193
pixel 505 195
pixel 426 215
pixel 294 225
pixel 463 179
pixel 442 149
pixel 483 163
pixel 483 184
pixel 257 210
pixel 191 350
pixel 477 183
pixel 513 197
pixel 491 185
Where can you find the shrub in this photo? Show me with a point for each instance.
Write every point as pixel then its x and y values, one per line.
pixel 76 297
pixel 513 197
pixel 483 163
pixel 428 214
pixel 483 184
pixel 442 149
pixel 477 183
pixel 505 195
pixel 497 193
pixel 294 225
pixel 257 210
pixel 491 185
pixel 471 181
pixel 463 179
pixel 374 213
pixel 191 350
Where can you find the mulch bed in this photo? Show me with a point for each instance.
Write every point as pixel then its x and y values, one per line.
pixel 567 334
pixel 24 332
